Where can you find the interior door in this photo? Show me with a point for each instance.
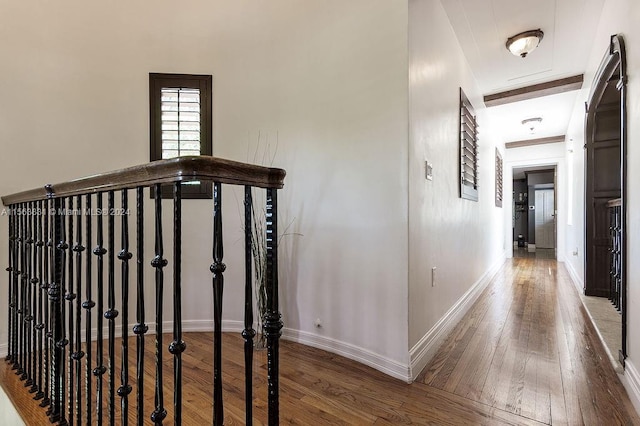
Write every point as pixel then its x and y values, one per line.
pixel 602 184
pixel 545 218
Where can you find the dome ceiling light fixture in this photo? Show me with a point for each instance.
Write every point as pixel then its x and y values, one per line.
pixel 532 123
pixel 524 43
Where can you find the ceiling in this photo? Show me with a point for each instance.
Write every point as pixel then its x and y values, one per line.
pixel 482 28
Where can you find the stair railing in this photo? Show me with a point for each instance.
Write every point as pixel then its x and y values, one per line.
pixel 55 255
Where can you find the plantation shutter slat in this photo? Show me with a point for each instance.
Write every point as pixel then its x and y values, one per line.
pixel 468 150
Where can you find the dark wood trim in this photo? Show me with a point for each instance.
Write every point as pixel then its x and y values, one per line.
pixel 468 146
pixel 203 168
pixel 202 82
pixel 612 67
pixel 535 91
pixel 499 179
pixel 532 142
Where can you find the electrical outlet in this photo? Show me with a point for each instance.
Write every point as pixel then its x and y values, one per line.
pixel 433 276
pixel 318 323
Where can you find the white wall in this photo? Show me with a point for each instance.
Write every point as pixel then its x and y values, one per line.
pixel 461 238
pixel 618 17
pixel 326 79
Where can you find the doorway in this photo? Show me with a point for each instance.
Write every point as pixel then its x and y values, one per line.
pixel 534 212
pixel 605 188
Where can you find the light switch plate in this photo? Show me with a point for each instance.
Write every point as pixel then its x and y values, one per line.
pixel 428 170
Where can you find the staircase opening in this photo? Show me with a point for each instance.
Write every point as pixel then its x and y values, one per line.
pixel 605 184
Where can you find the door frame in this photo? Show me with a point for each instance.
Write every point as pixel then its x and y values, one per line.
pixel 614 57
pixel 552 159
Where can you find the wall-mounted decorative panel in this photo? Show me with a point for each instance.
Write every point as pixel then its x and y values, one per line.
pixel 468 150
pixel 499 191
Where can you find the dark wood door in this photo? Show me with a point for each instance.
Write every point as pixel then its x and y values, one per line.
pixel 603 171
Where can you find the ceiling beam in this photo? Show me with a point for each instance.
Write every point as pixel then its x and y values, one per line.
pixel 531 142
pixel 535 91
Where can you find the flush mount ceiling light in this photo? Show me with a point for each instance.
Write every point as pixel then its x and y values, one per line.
pixel 522 44
pixel 532 123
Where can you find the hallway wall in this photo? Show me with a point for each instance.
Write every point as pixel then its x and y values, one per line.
pixel 320 84
pixel 618 16
pixel 462 239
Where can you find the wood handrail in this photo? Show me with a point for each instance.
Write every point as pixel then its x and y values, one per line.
pixel 614 203
pixel 187 168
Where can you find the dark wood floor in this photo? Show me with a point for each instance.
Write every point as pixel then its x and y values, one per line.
pixel 524 355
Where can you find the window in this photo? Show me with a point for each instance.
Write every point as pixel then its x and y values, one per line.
pixel 468 150
pixel 498 179
pixel 180 122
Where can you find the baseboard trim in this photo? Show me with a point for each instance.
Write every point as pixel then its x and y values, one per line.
pixel 631 382
pixel 347 350
pixel 575 277
pixel 422 352
pixel 361 355
pixel 3 349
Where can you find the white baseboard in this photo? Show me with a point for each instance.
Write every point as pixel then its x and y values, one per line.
pixel 3 350
pixel 631 382
pixel 575 277
pixel 422 352
pixel 364 356
pixel 388 366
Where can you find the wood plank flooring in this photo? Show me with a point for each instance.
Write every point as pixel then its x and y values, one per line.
pixel 525 354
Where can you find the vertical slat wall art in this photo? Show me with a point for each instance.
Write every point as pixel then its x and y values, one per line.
pixel 60 292
pixel 469 161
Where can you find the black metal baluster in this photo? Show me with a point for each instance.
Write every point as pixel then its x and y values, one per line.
pixel 21 371
pixel 48 279
pixel 272 322
pixel 78 354
pixel 63 246
pixel 178 346
pixel 10 270
pixel 41 287
pixel 125 389
pixel 111 313
pixel 34 297
pixel 158 263
pixel 17 326
pixel 248 333
pixel 56 412
pixel 100 369
pixel 69 297
pixel 87 305
pixel 15 283
pixel 217 268
pixel 140 328
pixel 29 302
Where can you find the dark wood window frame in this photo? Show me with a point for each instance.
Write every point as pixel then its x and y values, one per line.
pixel 499 179
pixel 158 81
pixel 468 138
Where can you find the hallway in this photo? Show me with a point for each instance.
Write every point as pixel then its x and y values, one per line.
pixel 527 347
